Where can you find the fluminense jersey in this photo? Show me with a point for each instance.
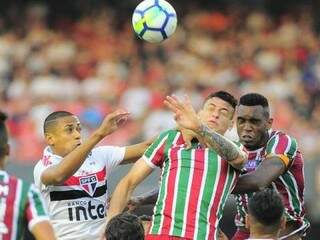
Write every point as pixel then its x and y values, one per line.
pixel 77 207
pixel 290 184
pixel 21 205
pixel 194 187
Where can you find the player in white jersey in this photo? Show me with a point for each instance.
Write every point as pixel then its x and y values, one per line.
pixel 72 175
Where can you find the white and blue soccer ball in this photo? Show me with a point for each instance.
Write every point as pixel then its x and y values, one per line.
pixel 154 20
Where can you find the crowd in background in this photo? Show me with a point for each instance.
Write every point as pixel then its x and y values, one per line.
pixel 93 64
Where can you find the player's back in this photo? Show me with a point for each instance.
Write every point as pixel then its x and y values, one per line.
pixel 20 206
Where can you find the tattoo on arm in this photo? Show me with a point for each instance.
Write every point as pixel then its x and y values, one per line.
pixel 223 146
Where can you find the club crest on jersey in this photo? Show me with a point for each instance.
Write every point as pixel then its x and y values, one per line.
pixel 89 184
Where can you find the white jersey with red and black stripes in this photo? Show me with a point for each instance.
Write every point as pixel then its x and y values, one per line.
pixel 77 207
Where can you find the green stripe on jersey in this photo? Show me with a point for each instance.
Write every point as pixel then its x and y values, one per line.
pixel 293 148
pixel 270 144
pixel 22 206
pixel 36 202
pixel 293 191
pixel 159 206
pixel 148 153
pixel 184 182
pixel 210 184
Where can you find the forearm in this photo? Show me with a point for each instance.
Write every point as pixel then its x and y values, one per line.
pixel 246 184
pixel 71 162
pixel 134 152
pixel 223 146
pixel 43 230
pixel 120 198
pixel 148 198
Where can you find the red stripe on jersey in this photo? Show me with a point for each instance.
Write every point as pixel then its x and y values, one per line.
pixel 28 212
pixel 8 217
pixel 167 212
pixel 282 144
pixel 75 180
pixel 180 140
pixel 158 157
pixel 217 198
pixel 195 188
pixel 285 197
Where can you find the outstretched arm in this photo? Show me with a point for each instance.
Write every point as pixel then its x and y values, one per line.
pixel 268 171
pixel 126 186
pixel 187 118
pixel 145 199
pixel 58 173
pixel 134 152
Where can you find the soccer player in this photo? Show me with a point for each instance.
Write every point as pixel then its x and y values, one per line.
pixel 274 160
pixel 124 226
pixel 72 175
pixel 265 216
pixel 195 181
pixel 21 204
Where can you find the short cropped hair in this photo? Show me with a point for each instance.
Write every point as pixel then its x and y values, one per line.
pixel 124 226
pixel 255 99
pixel 266 207
pixel 50 119
pixel 225 96
pixel 3 134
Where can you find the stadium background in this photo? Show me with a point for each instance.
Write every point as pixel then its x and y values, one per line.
pixel 82 56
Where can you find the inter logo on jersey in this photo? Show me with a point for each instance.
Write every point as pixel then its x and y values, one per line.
pixel 89 184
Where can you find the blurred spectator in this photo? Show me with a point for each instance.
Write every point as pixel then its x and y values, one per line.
pixel 86 65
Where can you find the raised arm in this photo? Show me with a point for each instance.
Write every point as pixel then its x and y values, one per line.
pixel 134 152
pixel 187 118
pixel 126 186
pixel 58 173
pixel 268 171
pixel 280 155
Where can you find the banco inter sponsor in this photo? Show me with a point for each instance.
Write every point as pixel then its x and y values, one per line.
pixel 79 212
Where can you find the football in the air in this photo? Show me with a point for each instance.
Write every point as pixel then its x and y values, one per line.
pixel 154 20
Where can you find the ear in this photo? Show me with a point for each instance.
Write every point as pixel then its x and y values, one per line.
pixel 231 124
pixel 269 123
pixel 49 139
pixel 247 221
pixel 283 223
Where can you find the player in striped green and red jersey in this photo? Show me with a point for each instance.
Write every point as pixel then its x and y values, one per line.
pixel 196 181
pixel 273 161
pixel 21 204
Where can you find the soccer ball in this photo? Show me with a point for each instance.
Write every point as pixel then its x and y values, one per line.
pixel 154 20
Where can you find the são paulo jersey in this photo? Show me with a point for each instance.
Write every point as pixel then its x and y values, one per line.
pixel 77 207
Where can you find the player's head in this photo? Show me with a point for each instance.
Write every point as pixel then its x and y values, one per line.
pixel 253 120
pixel 218 110
pixel 265 213
pixel 62 132
pixel 124 226
pixel 4 145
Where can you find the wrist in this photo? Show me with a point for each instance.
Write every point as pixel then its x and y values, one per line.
pixel 98 135
pixel 200 129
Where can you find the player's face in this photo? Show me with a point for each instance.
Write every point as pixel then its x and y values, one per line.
pixel 65 136
pixel 252 126
pixel 217 114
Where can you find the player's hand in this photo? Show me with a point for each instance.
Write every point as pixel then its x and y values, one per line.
pixel 184 114
pixel 133 204
pixel 187 135
pixel 113 121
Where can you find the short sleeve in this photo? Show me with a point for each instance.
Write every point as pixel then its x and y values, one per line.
pixel 112 156
pixel 283 146
pixel 154 156
pixel 35 207
pixel 37 172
